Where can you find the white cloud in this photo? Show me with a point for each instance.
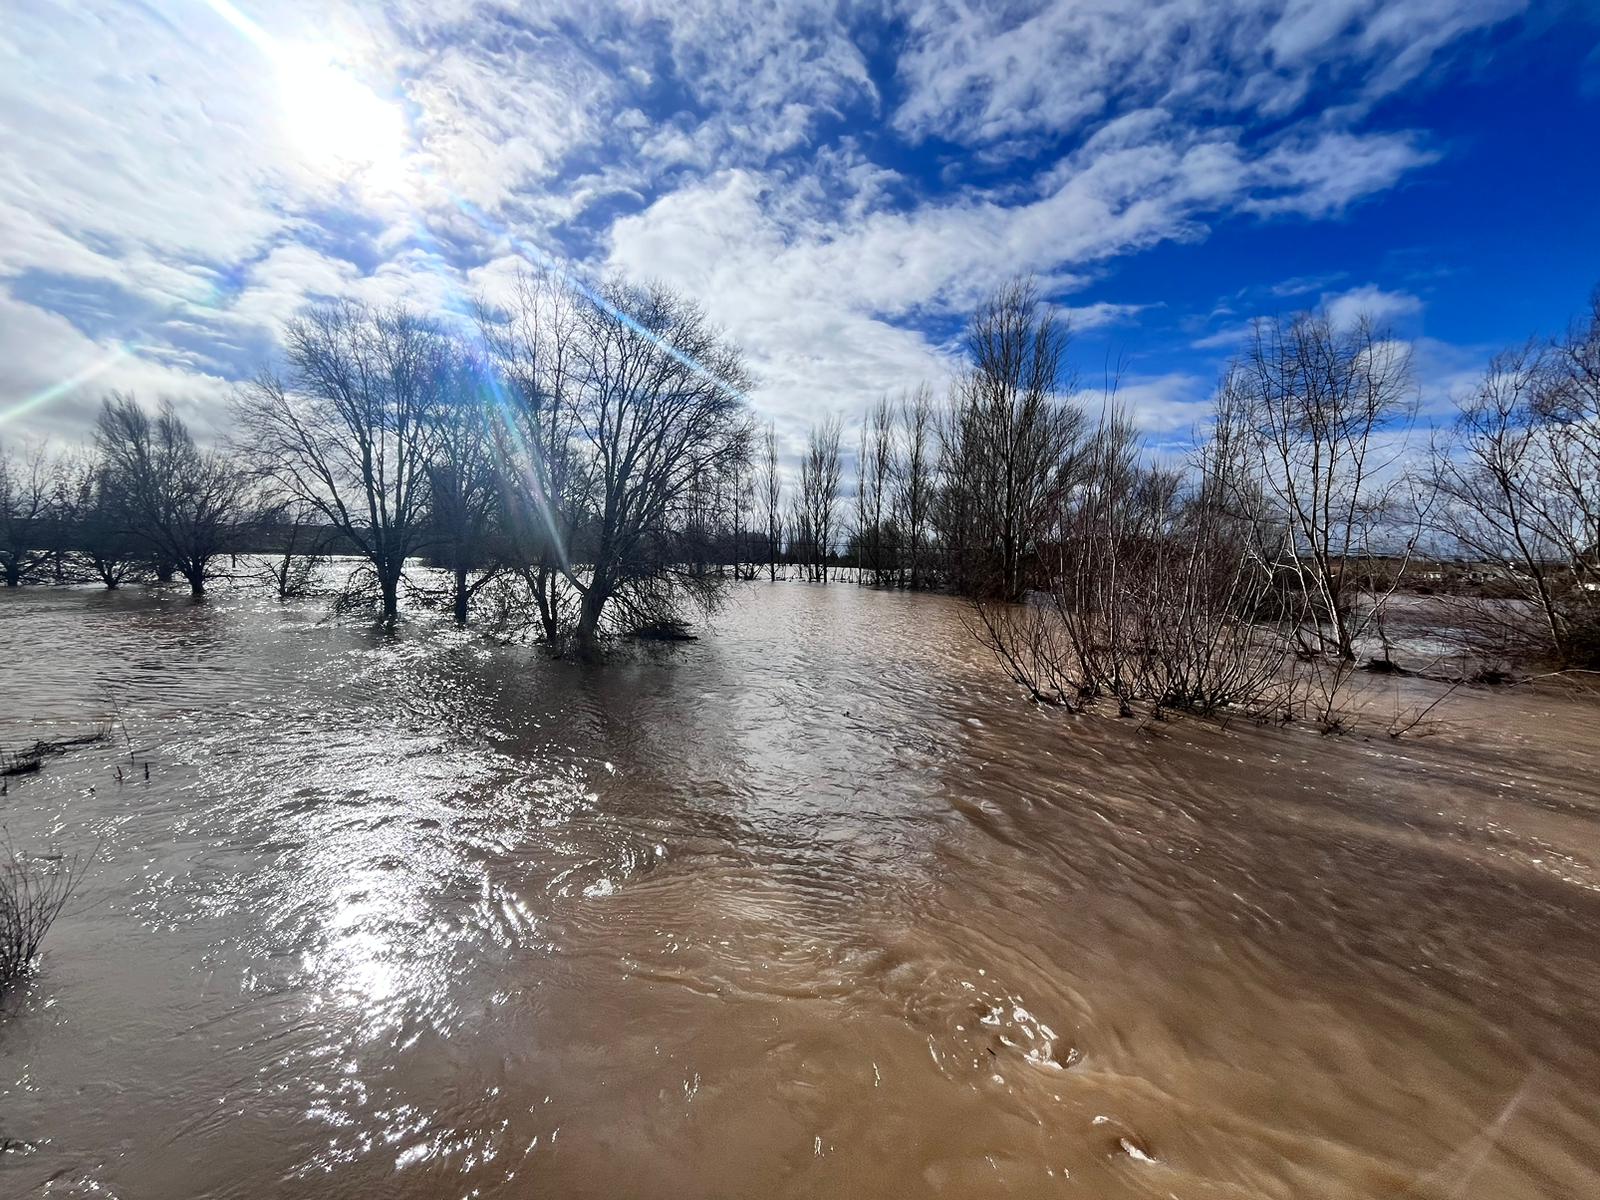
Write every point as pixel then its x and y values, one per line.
pixel 988 73
pixel 1164 407
pixel 1371 302
pixel 96 366
pixel 1344 309
pixel 145 161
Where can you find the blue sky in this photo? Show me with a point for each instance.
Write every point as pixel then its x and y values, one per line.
pixel 836 183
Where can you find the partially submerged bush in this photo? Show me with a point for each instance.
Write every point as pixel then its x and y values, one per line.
pixel 33 891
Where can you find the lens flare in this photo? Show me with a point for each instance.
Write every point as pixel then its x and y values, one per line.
pixel 61 388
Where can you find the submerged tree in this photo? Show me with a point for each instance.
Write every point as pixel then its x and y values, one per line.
pixel 1330 408
pixel 94 513
pixel 535 351
pixel 914 482
pixel 25 493
pixel 1518 484
pixel 659 411
pixel 463 483
pixel 350 429
pixel 300 542
pixel 185 505
pixel 771 498
pixel 816 515
pixel 875 534
pixel 1008 443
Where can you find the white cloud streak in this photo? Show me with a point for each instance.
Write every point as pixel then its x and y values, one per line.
pixel 155 197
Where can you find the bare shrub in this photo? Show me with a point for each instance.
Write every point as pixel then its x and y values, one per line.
pixel 1030 643
pixel 33 891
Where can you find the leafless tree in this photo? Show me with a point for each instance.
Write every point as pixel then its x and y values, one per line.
pixel 819 495
pixel 535 347
pixel 1008 443
pixel 184 504
pixel 914 482
pixel 26 483
pixel 94 513
pixel 660 408
pixel 1518 481
pixel 744 506
pixel 301 541
pixel 463 484
pixel 771 496
pixel 1330 409
pixel 876 537
pixel 801 539
pixel 350 428
pixel 1569 408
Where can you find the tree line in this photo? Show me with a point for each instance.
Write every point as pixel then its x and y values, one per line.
pixel 585 461
pixel 579 442
pixel 1306 499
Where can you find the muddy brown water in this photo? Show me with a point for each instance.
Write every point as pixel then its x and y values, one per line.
pixel 813 907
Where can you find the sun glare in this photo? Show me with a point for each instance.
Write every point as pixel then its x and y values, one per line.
pixel 335 120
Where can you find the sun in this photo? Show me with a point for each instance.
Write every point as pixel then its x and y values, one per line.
pixel 341 126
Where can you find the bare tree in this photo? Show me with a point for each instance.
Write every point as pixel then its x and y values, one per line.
pixel 1008 442
pixel 1487 473
pixel 535 348
pixel 801 538
pixel 771 489
pixel 660 409
pixel 914 482
pixel 1331 408
pixel 1518 481
pixel 94 512
pixel 350 429
pixel 463 486
pixel 875 533
pixel 1569 408
pixel 819 495
pixel 301 541
pixel 25 493
pixel 860 535
pixel 184 504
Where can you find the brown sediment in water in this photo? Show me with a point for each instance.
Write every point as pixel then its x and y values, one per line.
pixel 814 906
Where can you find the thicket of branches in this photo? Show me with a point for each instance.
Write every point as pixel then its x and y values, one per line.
pixel 582 462
pixel 1259 569
pixel 588 451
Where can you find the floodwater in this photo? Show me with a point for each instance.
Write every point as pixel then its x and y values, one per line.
pixel 814 907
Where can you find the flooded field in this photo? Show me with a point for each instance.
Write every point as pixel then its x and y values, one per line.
pixel 812 907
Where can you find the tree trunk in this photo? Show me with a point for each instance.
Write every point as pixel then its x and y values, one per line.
pixel 389 581
pixel 461 596
pixel 544 586
pixel 594 603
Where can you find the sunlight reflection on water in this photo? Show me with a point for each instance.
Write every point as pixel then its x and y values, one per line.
pixel 811 907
